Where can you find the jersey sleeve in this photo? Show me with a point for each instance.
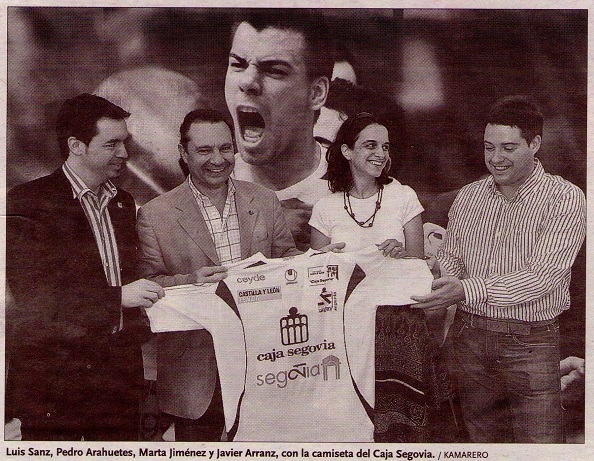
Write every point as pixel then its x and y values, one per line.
pixel 392 281
pixel 167 313
pixel 209 306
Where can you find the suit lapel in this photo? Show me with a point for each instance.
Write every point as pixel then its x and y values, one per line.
pixel 69 211
pixel 119 215
pixel 122 213
pixel 73 221
pixel 191 220
pixel 248 214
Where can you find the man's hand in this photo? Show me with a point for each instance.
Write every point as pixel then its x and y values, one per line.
pixel 141 293
pixel 392 248
pixel 572 371
pixel 208 274
pixel 297 214
pixel 446 291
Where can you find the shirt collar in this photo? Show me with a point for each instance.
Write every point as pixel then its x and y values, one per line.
pixel 204 198
pixel 527 186
pixel 79 188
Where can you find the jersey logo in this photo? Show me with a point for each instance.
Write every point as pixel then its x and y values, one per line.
pixel 302 370
pixel 251 278
pixel 322 274
pixel 255 295
pixel 290 275
pixel 327 301
pixel 331 361
pixel 294 328
pixel 332 271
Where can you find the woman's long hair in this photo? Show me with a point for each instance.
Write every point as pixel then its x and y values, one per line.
pixel 339 174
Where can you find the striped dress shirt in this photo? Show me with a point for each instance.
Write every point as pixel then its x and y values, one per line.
pixel 224 229
pixel 514 256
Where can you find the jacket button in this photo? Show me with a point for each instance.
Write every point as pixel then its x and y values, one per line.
pixel 88 367
pixel 48 414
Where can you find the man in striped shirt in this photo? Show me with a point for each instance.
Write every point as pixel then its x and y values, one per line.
pixel 74 335
pixel 512 239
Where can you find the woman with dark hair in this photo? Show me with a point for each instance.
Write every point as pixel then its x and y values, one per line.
pixel 369 207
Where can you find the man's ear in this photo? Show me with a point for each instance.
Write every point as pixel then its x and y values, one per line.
pixel 319 92
pixel 182 152
pixel 76 146
pixel 535 143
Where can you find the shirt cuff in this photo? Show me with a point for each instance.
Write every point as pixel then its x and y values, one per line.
pixel 475 290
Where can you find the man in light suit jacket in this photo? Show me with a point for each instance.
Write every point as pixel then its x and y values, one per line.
pixel 188 235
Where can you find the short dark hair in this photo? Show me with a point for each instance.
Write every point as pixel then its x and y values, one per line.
pixel 351 99
pixel 319 52
pixel 339 174
pixel 520 112
pixel 78 117
pixel 199 116
pixel 344 97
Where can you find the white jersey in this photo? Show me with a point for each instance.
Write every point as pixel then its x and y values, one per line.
pixel 295 353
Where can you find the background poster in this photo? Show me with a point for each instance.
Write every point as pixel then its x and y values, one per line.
pixel 440 68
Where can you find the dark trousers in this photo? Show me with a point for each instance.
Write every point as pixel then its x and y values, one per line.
pixel 509 383
pixel 121 427
pixel 208 428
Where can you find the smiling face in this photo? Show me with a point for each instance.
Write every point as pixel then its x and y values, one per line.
pixel 104 157
pixel 508 156
pixel 270 97
pixel 209 155
pixel 370 153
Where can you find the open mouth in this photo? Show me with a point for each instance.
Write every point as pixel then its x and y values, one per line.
pixel 499 168
pixel 216 170
pixel 251 124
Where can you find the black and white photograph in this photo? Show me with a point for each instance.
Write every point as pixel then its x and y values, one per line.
pixel 295 231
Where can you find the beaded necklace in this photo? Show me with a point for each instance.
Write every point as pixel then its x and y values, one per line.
pixel 349 208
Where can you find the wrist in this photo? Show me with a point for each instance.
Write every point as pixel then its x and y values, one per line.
pixel 475 290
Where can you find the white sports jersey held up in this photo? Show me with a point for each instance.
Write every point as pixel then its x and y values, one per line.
pixel 295 354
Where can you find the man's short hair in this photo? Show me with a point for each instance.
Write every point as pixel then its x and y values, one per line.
pixel 319 52
pixel 199 116
pixel 78 118
pixel 350 99
pixel 520 112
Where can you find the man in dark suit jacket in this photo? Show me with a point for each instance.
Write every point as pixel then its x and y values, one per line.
pixel 187 235
pixel 75 331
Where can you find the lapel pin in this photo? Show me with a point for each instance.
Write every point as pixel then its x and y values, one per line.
pixel 120 205
pixel 250 212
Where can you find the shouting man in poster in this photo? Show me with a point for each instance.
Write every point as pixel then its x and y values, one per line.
pixel 280 65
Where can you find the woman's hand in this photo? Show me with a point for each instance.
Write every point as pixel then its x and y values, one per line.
pixel 392 248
